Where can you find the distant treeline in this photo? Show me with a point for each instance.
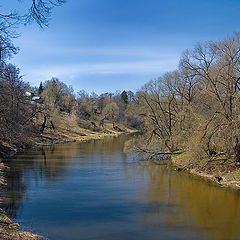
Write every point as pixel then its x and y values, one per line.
pixel 23 108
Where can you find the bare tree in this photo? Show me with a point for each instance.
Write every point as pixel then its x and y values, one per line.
pixel 16 109
pixel 218 65
pixel 161 109
pixel 39 11
pixel 111 112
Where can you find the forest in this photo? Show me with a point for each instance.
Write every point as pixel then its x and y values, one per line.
pixel 119 164
pixel 193 111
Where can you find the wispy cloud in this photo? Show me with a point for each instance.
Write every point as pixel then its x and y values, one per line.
pixel 107 68
pixel 74 64
pixel 132 52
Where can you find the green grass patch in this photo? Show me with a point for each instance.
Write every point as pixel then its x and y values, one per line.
pixel 182 159
pixel 235 173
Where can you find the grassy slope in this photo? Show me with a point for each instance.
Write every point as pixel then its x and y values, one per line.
pixel 67 130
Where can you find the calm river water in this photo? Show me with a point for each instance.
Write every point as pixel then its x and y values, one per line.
pixel 94 190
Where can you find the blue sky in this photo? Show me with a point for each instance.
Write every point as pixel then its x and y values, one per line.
pixel 109 45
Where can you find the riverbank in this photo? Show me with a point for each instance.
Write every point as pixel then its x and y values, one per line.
pixel 66 130
pixel 224 174
pixel 9 230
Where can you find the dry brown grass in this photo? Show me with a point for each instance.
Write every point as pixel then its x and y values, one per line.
pixel 67 130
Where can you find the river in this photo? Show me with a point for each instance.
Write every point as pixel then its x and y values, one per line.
pixel 97 191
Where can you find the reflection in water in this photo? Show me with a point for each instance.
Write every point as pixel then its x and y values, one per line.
pixel 49 164
pixel 94 190
pixel 179 200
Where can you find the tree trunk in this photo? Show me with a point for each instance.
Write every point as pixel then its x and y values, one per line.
pixel 237 151
pixel 102 122
pixel 52 125
pixel 43 124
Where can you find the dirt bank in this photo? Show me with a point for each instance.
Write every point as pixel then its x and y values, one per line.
pixel 225 174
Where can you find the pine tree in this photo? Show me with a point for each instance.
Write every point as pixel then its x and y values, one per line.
pixel 124 97
pixel 40 89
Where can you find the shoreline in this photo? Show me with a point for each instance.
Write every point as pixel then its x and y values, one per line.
pixel 9 230
pixel 223 180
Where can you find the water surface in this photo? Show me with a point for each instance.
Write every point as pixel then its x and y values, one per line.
pixel 96 191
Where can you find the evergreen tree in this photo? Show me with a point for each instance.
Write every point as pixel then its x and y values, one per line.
pixel 124 97
pixel 40 89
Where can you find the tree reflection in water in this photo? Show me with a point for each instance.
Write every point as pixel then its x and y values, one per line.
pixel 48 165
pixel 163 200
pixel 177 200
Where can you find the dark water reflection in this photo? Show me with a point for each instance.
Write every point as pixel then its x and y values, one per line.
pixel 96 191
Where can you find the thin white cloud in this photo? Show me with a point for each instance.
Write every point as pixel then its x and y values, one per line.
pixel 141 51
pixel 74 70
